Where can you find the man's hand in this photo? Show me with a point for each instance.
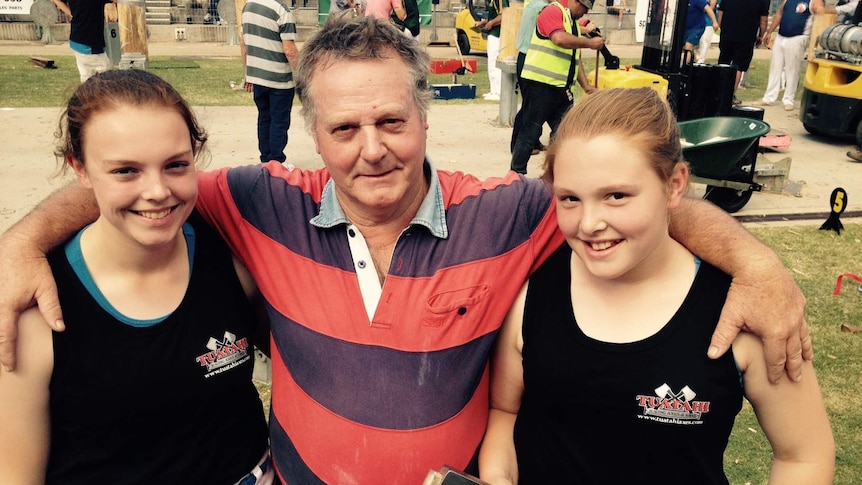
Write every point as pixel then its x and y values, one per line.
pixel 249 87
pixel 596 43
pixel 774 309
pixel 26 278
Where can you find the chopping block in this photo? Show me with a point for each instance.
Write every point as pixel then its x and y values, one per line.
pixel 446 66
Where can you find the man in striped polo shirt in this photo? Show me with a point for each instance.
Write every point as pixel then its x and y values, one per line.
pixel 386 280
pixel 268 52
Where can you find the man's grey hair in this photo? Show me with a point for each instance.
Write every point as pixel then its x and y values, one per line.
pixel 344 37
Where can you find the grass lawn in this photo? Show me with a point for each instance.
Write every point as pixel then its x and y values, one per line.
pixel 815 258
pixel 206 81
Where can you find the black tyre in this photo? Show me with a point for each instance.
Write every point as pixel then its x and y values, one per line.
pixel 859 135
pixel 731 200
pixel 463 43
pixel 811 129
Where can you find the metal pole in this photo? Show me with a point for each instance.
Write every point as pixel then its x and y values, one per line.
pixel 434 22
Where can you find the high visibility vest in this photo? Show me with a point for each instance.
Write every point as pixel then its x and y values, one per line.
pixel 549 63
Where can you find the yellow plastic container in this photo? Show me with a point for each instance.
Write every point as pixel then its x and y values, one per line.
pixel 631 78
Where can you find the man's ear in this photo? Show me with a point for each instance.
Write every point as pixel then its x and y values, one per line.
pixel 677 184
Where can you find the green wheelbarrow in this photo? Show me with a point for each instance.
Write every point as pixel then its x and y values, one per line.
pixel 721 152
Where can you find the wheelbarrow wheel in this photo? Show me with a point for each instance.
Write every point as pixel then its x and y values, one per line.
pixel 731 200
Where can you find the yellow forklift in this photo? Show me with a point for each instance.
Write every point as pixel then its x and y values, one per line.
pixel 470 38
pixel 832 90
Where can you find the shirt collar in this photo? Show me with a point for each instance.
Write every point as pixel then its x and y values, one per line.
pixel 431 213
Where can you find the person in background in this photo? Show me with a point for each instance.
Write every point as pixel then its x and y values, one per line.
pixel 382 9
pixel 618 6
pixel 551 67
pixel 383 306
pixel 269 54
pixel 151 383
pixel 87 35
pixel 522 43
pixel 491 26
pixel 706 39
pixel 410 23
pixel 740 21
pixel 339 6
pixel 793 21
pixel 847 10
pixel 525 36
pixel 600 366
pixel 699 18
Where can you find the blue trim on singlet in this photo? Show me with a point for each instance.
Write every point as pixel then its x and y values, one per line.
pixel 76 260
pixel 84 49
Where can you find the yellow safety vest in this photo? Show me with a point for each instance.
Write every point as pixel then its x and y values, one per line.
pixel 549 63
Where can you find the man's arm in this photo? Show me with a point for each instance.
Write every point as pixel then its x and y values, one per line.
pixel 570 41
pixel 243 49
pixel 63 7
pixel 763 20
pixel 25 276
pixel 712 17
pixel 776 21
pixel 763 298
pixel 290 51
pixel 583 81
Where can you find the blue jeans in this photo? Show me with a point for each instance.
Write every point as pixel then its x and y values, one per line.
pixel 273 121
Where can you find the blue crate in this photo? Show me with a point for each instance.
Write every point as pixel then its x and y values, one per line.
pixel 454 91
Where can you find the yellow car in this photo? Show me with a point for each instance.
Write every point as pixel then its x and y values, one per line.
pixel 471 38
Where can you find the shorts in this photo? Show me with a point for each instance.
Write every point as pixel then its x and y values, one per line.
pixel 693 36
pixel 92 64
pixel 738 54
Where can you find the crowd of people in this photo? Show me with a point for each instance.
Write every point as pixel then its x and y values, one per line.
pixel 397 295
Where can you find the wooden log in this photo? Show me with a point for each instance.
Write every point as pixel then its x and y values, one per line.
pixel 43 62
pixel 133 27
pixel 509 30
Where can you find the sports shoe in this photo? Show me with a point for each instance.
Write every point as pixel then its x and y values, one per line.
pixel 491 97
pixel 788 107
pixel 761 102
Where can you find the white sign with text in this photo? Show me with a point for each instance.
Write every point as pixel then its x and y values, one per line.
pixel 15 7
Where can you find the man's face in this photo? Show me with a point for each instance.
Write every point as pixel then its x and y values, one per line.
pixel 371 136
pixel 577 9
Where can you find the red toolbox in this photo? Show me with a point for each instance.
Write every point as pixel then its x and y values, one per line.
pixel 448 66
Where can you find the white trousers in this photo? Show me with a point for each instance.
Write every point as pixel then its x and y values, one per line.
pixel 409 35
pixel 787 56
pixel 703 46
pixel 90 64
pixel 495 75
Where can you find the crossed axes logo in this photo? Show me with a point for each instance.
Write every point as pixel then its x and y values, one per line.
pixel 684 394
pixel 666 404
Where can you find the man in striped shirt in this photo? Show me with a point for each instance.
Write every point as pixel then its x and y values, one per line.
pixel 268 52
